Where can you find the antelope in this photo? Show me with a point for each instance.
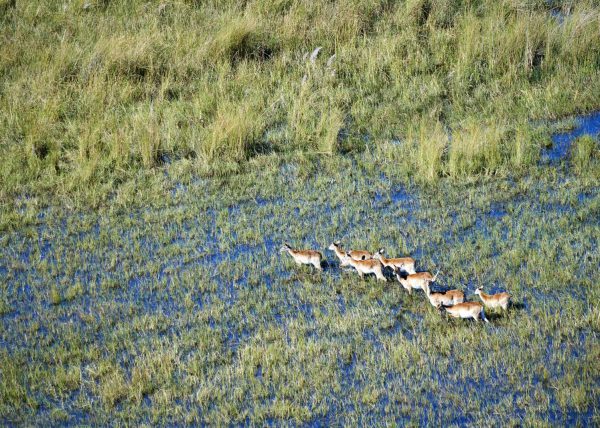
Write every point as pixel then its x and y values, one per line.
pixel 449 298
pixel 354 254
pixel 416 280
pixel 304 257
pixel 341 254
pixel 494 300
pixel 367 266
pixel 466 310
pixel 406 263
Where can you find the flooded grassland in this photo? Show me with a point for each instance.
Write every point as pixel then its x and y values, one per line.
pixel 186 311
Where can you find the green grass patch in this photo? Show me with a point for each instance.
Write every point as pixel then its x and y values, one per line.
pixel 585 156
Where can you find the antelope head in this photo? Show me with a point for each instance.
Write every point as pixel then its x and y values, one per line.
pixel 334 245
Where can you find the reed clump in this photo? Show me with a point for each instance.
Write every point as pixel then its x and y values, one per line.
pixel 585 156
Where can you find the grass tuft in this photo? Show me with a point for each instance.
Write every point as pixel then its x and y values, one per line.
pixel 241 39
pixel 585 156
pixel 55 296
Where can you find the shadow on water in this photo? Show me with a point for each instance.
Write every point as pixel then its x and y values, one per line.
pixel 494 314
pixel 518 306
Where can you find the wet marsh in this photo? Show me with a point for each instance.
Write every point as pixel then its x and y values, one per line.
pixel 157 154
pixel 185 311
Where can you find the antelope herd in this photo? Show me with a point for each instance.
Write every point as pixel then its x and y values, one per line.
pixel 365 262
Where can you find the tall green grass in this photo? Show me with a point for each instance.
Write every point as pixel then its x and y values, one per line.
pixel 95 93
pixel 585 157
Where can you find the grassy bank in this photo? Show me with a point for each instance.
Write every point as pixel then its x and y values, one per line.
pixel 95 94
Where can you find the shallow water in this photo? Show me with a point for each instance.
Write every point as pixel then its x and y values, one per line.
pixel 146 263
pixel 586 125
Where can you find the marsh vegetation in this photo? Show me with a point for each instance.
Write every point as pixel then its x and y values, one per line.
pixel 183 310
pixel 96 93
pixel 156 156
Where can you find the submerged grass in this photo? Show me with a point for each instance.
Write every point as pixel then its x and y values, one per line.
pixel 183 311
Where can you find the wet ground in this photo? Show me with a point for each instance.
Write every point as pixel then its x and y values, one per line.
pixel 203 284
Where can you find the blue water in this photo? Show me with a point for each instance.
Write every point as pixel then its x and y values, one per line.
pixel 561 141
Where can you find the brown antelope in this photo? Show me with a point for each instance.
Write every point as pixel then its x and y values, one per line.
pixel 367 266
pixel 494 300
pixel 466 310
pixel 340 253
pixel 403 263
pixel 304 257
pixel 415 280
pixel 449 298
pixel 354 254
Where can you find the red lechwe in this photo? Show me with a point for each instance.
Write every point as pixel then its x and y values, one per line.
pixel 403 263
pixel 336 247
pixel 415 280
pixel 367 266
pixel 466 310
pixel 449 298
pixel 501 300
pixel 304 257
pixel 340 253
